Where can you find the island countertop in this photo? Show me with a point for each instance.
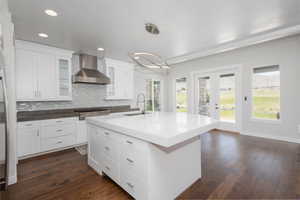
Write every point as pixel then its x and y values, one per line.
pixel 162 128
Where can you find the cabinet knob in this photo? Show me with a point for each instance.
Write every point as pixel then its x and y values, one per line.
pixel 129 142
pixel 130 185
pixel 129 160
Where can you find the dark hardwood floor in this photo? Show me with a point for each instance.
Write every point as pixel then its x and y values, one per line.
pixel 233 167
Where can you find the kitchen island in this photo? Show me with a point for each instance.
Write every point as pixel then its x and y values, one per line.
pixel 153 156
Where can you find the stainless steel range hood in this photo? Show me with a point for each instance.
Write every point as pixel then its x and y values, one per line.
pixel 88 72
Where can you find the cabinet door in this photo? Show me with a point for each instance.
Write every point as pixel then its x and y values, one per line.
pixel 129 79
pixel 28 141
pixel 64 78
pixel 111 87
pixel 81 132
pixel 47 84
pixel 26 75
pixel 94 144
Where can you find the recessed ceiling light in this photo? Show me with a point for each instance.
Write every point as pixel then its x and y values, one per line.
pixel 43 35
pixel 51 13
pixel 100 49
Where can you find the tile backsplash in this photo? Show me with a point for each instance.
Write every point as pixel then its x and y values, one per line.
pixel 84 95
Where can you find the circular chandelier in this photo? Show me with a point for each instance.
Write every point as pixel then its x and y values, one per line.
pixel 149 60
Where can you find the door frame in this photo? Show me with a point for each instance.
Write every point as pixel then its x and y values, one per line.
pixel 239 94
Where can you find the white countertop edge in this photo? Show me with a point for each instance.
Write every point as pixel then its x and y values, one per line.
pixel 158 140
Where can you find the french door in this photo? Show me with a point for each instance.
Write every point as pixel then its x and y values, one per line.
pixel 217 97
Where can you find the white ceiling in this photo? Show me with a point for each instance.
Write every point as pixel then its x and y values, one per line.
pixel 118 25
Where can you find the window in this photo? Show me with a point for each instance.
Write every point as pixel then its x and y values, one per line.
pixel 153 95
pixel 266 93
pixel 181 95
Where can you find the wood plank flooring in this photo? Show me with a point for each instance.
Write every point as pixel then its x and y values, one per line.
pixel 233 167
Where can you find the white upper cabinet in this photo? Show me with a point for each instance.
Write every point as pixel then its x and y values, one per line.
pixel 46 76
pixel 43 73
pixel 26 84
pixel 121 75
pixel 64 77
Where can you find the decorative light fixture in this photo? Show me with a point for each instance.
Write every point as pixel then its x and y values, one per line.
pixel 51 13
pixel 43 35
pixel 152 28
pixel 149 60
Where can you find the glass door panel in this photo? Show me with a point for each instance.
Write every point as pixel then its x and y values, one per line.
pixel 227 99
pixel 156 95
pixel 204 96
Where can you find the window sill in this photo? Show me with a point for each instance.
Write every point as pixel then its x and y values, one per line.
pixel 266 121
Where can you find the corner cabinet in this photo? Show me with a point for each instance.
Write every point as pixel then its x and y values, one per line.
pixel 43 73
pixel 121 75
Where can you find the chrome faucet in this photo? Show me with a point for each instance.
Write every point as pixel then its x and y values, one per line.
pixel 138 101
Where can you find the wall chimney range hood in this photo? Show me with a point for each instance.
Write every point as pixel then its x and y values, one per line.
pixel 88 72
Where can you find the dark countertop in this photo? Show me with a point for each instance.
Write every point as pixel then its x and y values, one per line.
pixel 68 112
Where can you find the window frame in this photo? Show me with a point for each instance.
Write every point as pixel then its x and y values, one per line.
pixel 262 120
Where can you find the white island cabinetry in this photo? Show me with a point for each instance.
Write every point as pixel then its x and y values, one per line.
pixel 145 155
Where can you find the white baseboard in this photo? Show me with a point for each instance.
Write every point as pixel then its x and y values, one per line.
pixel 94 165
pixel 12 180
pixel 262 135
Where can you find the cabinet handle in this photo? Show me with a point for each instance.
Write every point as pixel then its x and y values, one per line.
pixel 106 133
pixel 129 160
pixel 59 121
pixel 59 130
pixel 59 142
pixel 130 185
pixel 107 148
pixel 129 142
pixel 39 93
pixel 107 168
pixel 38 133
pixel 28 124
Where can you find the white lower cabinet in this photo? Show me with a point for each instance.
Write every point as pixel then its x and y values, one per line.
pixel 36 137
pixel 28 138
pixel 124 159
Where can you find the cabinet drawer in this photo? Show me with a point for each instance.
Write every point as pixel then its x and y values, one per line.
pixel 111 169
pixel 58 130
pixel 110 136
pixel 133 186
pixel 132 144
pixel 134 164
pixel 29 124
pixel 111 150
pixel 59 121
pixel 58 142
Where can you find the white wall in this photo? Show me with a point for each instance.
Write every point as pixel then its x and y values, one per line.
pixel 284 52
pixel 9 54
